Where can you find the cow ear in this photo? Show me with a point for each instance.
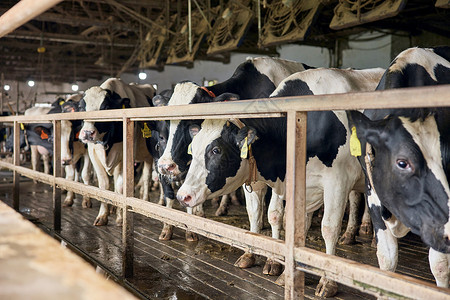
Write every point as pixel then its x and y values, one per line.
pixel 366 130
pixel 226 97
pixel 160 100
pixel 246 135
pixel 126 103
pixel 193 130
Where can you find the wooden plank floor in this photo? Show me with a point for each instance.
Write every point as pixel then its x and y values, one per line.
pixel 178 269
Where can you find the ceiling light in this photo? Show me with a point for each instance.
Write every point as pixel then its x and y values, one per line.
pixel 30 83
pixel 142 75
pixel 75 87
pixel 7 87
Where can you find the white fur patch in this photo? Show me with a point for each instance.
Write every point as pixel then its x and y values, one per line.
pixel 426 135
pixel 276 69
pixel 424 57
pixel 94 98
pixel 66 128
pixel 183 93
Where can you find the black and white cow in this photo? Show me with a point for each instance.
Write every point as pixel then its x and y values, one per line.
pixel 105 140
pixel 255 78
pixel 332 173
pixel 73 150
pixel 409 165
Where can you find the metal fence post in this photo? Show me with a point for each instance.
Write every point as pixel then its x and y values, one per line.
pixel 128 191
pixel 16 162
pixel 295 201
pixel 56 173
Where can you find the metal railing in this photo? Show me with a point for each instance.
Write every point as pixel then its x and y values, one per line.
pixel 292 252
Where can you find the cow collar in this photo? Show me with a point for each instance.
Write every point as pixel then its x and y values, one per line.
pixel 208 91
pixel 251 159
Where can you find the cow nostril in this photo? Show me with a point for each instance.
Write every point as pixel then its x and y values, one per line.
pixel 171 167
pixel 187 198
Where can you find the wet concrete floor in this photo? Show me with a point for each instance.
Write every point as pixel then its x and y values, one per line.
pixel 178 269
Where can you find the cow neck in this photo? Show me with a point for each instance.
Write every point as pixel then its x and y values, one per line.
pixel 369 165
pixel 209 92
pixel 251 159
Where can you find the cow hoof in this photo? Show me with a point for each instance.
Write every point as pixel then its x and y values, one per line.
pixel 166 233
pixel 215 202
pixel 191 236
pixel 280 280
pixel 86 203
pixel 347 239
pixel 221 211
pixel 326 288
pixel 67 203
pixel 272 268
pixel 101 221
pixel 246 260
pixel 365 228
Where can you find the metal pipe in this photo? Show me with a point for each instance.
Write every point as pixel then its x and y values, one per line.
pixel 23 12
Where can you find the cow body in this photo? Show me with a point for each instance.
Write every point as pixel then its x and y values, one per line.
pixel 73 150
pixel 104 139
pixel 255 78
pixel 218 167
pixel 409 163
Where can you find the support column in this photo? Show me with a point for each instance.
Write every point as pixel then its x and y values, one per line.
pixel 128 191
pixel 56 173
pixel 295 201
pixel 16 162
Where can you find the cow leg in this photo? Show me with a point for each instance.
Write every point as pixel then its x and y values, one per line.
pixel 103 183
pixel 275 215
pixel 255 205
pixel 366 223
pixel 169 195
pixel 234 199
pixel 86 176
pixel 46 160
pixel 34 159
pixel 145 181
pixel 349 236
pixel 155 179
pixel 439 264
pixel 222 210
pixel 118 188
pixel 335 197
pixel 198 211
pixel 70 175
pixel 161 194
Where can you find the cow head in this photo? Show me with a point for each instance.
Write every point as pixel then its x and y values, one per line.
pixel 409 171
pixel 175 160
pixel 217 167
pixel 9 144
pixel 96 99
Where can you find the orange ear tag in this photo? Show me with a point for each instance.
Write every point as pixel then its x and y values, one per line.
pixel 44 136
pixel 77 135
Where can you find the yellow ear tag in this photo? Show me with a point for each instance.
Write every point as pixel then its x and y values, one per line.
pixel 146 132
pixel 244 149
pixel 61 102
pixel 355 144
pixel 123 105
pixel 190 149
pixel 22 126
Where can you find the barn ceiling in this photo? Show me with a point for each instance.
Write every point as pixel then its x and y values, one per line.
pixel 83 39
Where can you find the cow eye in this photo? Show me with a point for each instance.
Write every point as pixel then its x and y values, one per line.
pixel 216 150
pixel 403 164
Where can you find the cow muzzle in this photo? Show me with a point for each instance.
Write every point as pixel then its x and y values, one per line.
pixel 66 162
pixel 87 135
pixel 168 168
pixel 185 199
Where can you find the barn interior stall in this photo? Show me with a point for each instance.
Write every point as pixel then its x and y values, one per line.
pixel 78 45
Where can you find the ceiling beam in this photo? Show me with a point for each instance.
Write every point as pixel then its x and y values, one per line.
pixel 68 38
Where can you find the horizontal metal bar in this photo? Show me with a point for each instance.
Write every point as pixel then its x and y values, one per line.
pixel 435 96
pixel 366 278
